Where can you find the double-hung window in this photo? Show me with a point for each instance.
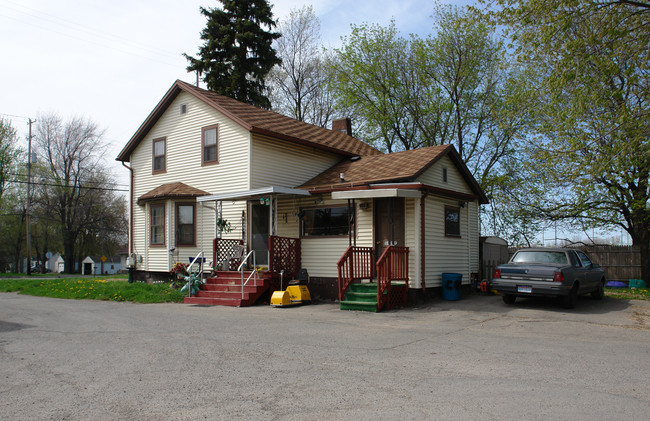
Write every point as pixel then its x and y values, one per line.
pixel 209 145
pixel 185 227
pixel 159 155
pixel 157 225
pixel 452 221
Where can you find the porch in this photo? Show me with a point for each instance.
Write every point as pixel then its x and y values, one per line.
pixel 362 283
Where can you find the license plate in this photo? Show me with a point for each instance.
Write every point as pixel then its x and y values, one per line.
pixel 524 289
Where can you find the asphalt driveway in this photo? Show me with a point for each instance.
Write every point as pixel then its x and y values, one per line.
pixel 471 359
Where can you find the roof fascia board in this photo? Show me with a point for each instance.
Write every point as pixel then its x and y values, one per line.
pixel 170 95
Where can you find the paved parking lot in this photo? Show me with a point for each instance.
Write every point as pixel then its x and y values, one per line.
pixel 471 359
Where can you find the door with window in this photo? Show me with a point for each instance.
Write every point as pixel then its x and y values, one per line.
pixel 259 232
pixel 388 224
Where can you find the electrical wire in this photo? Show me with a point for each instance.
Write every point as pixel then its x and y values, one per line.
pixel 80 32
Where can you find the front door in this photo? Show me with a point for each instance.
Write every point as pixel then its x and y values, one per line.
pixel 260 232
pixel 389 223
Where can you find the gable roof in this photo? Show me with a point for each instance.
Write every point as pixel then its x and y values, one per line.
pixel 176 190
pixel 255 120
pixel 397 167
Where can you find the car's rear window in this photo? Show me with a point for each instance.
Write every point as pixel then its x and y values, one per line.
pixel 540 257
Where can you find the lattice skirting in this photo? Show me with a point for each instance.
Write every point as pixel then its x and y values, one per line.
pixel 397 297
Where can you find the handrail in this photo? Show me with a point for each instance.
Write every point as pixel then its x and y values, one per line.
pixel 189 271
pixel 240 269
pixel 354 265
pixel 391 266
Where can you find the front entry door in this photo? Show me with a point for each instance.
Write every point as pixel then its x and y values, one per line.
pixel 389 223
pixel 260 232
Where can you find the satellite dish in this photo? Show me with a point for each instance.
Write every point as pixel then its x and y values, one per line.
pixel 48 254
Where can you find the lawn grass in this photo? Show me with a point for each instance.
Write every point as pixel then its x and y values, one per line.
pixel 628 294
pixel 107 289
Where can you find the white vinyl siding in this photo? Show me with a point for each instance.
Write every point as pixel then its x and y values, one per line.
pixel 455 181
pixel 183 164
pixel 284 164
pixel 449 254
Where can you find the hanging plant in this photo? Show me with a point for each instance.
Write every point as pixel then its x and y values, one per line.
pixel 223 225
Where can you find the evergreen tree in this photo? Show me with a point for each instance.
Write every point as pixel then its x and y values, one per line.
pixel 237 53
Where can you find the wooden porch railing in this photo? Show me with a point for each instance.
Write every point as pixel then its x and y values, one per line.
pixel 393 265
pixel 354 265
pixel 284 254
pixel 223 249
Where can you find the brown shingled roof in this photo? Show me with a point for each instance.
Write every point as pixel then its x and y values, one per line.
pixel 172 190
pixel 256 120
pixel 396 167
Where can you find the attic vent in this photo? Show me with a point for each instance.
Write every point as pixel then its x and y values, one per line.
pixel 183 108
pixel 444 174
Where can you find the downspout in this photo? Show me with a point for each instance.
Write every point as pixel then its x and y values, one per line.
pixel 422 240
pixel 130 209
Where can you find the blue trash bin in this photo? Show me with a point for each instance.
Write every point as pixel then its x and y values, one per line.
pixel 451 283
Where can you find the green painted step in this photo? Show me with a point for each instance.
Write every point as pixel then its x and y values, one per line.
pixel 359 305
pixel 361 297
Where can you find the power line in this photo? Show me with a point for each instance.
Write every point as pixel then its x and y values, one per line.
pixel 84 182
pixel 81 186
pixel 84 31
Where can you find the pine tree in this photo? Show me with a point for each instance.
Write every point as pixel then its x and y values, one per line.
pixel 237 53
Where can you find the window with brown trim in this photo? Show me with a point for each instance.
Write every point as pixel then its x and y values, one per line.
pixel 209 144
pixel 185 226
pixel 452 221
pixel 325 221
pixel 159 162
pixel 157 225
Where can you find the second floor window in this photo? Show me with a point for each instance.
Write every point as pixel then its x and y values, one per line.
pixel 209 143
pixel 159 149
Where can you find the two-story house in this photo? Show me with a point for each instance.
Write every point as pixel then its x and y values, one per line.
pixel 208 172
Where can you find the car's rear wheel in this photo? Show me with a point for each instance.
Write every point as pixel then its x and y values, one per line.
pixel 569 300
pixel 509 298
pixel 599 293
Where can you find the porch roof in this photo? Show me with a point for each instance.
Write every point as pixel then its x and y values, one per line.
pixel 252 194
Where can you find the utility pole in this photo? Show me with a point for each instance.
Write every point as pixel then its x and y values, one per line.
pixel 27 210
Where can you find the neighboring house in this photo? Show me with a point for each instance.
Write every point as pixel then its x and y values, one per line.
pixel 93 265
pixel 55 263
pixel 200 158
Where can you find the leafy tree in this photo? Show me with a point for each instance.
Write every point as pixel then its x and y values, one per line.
pixel 455 86
pixel 8 153
pixel 237 53
pixel 591 87
pixel 71 187
pixel 298 85
pixel 373 77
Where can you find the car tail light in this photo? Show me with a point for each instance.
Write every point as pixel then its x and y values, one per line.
pixel 558 277
pixel 497 273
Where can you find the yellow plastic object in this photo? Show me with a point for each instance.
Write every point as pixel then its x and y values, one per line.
pixel 293 295
pixel 280 299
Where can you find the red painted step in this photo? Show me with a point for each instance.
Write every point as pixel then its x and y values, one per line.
pixel 225 289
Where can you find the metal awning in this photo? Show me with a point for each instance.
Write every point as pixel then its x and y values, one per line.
pixel 252 194
pixel 376 193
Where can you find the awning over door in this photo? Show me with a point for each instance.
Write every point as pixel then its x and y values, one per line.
pixel 376 193
pixel 252 194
